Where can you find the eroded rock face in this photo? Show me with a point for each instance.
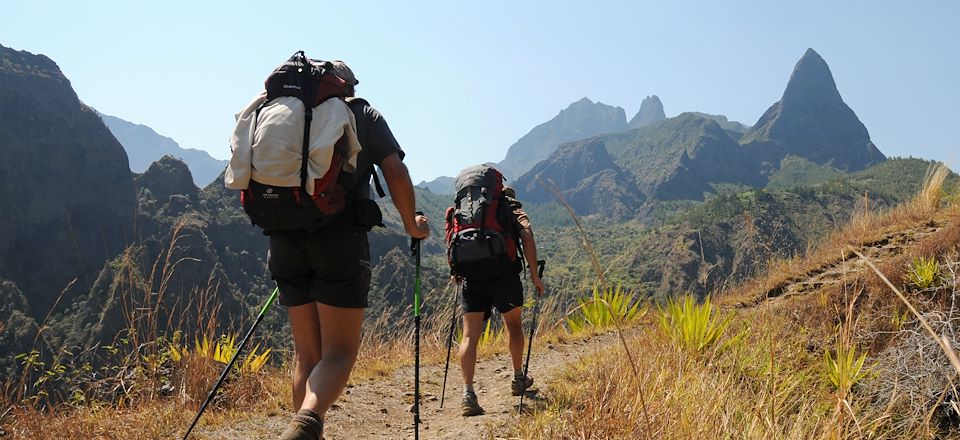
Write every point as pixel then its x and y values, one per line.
pixel 587 177
pixel 68 195
pixel 579 120
pixel 651 111
pixel 812 121
pixel 166 177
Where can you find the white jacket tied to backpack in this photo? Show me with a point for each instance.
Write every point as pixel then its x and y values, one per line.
pixel 269 150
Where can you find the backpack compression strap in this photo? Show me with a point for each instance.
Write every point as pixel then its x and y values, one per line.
pixel 307 96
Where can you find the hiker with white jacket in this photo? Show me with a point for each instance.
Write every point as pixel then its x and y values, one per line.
pixel 323 269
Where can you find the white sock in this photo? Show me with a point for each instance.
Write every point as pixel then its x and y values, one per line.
pixel 468 388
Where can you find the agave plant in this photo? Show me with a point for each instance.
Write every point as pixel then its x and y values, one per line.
pixel 604 309
pixel 924 272
pixel 846 369
pixel 221 350
pixel 697 327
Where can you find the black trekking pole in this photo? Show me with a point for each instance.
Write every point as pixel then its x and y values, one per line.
pixel 213 392
pixel 533 327
pixel 415 249
pixel 453 325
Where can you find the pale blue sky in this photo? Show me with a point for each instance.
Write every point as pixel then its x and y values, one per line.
pixel 460 82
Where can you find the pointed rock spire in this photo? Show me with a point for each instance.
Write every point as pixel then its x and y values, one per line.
pixel 811 80
pixel 812 121
pixel 651 111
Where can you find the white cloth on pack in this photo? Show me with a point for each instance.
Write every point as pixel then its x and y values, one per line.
pixel 269 150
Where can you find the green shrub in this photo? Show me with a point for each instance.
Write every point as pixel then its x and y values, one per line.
pixel 924 272
pixel 846 369
pixel 604 309
pixel 697 327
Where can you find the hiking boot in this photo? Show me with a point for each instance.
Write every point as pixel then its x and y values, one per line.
pixel 520 384
pixel 306 425
pixel 470 405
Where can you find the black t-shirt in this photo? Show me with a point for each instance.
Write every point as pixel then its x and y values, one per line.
pixel 378 142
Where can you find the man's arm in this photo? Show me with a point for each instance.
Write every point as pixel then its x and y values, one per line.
pixel 530 254
pixel 401 191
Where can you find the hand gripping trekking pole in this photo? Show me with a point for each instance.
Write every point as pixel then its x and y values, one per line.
pixel 216 386
pixel 453 325
pixel 533 327
pixel 415 249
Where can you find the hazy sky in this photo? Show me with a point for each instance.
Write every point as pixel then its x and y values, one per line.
pixel 460 82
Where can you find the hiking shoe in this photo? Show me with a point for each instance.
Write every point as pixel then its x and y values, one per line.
pixel 470 405
pixel 520 384
pixel 306 425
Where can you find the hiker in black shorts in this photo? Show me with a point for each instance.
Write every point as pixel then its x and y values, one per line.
pixel 505 292
pixel 324 276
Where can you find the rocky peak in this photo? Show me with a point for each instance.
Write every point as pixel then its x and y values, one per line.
pixel 811 80
pixel 812 121
pixel 580 120
pixel 166 177
pixel 651 111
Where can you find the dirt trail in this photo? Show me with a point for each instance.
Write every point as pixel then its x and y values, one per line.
pixel 380 409
pixel 834 272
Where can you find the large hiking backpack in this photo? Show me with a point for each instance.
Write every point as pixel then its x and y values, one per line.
pixel 481 230
pixel 275 130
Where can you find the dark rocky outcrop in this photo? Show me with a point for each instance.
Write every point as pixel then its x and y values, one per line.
pixel 812 121
pixel 17 328
pixel 166 177
pixel 651 112
pixel 69 200
pixel 587 177
pixel 580 120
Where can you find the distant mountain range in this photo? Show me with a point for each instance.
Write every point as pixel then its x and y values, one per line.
pixel 692 155
pixel 580 120
pixel 144 146
pixel 90 243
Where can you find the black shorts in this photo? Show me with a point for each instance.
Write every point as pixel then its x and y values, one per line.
pixel 328 266
pixel 505 292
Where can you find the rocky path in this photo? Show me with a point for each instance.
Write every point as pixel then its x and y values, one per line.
pixel 835 271
pixel 380 409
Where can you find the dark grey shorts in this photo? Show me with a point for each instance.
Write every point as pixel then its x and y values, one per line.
pixel 328 266
pixel 505 292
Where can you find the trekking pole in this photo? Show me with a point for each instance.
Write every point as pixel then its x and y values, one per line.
pixel 213 392
pixel 453 324
pixel 415 249
pixel 533 327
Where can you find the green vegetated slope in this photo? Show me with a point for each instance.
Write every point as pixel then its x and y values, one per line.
pixel 729 237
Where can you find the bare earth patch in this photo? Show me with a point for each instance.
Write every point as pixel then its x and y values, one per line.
pixel 380 409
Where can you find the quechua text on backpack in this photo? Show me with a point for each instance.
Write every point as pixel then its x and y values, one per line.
pixel 279 136
pixel 481 230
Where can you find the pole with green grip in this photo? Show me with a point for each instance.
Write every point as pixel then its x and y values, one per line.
pixel 236 354
pixel 415 249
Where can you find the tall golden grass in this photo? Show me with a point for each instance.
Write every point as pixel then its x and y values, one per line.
pixel 775 384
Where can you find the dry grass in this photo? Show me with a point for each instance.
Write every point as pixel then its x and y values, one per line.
pixel 155 414
pixel 865 228
pixel 775 383
pixel 768 385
